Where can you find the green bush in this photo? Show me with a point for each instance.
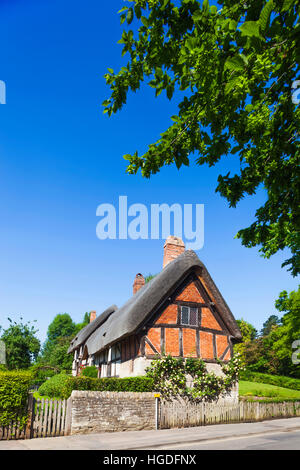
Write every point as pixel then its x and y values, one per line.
pixel 41 372
pixel 14 388
pixel 53 387
pixel 109 384
pixel 279 380
pixel 90 371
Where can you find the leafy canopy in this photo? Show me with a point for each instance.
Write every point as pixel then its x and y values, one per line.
pixel 21 344
pixel 273 352
pixel 235 67
pixel 59 335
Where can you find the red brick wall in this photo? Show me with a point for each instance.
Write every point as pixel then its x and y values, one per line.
pixel 154 336
pixel 222 343
pixel 189 342
pixel 172 341
pixel 169 315
pixel 208 320
pixel 190 294
pixel 206 345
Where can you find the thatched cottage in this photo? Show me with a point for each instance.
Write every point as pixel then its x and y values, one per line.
pixel 180 312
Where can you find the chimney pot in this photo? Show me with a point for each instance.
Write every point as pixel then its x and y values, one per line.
pixel 139 282
pixel 173 247
pixel 92 315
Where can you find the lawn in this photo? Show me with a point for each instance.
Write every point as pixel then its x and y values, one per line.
pixel 266 390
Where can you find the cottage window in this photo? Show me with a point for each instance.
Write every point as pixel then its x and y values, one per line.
pixel 115 353
pixel 189 316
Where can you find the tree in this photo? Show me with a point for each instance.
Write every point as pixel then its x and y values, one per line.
pixel 273 320
pixel 249 333
pixel 21 344
pixel 149 277
pixel 59 335
pixel 272 353
pixel 281 338
pixel 236 67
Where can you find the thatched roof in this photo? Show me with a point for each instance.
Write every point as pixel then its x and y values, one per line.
pixel 135 312
pixel 83 334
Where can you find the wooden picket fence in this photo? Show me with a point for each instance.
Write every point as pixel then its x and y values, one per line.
pixel 46 418
pixel 14 431
pixel 49 418
pixel 175 414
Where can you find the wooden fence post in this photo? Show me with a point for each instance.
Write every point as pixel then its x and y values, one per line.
pixel 29 424
pixel 68 419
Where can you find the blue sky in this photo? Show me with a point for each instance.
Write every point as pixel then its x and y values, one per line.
pixel 60 157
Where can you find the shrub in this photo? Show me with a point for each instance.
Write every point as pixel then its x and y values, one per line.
pixel 53 387
pixel 41 372
pixel 170 374
pixel 14 388
pixel 109 384
pixel 90 371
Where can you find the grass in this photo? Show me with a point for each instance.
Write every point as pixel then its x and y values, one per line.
pixel 256 389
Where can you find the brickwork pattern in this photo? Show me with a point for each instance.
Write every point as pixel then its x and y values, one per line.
pixel 191 294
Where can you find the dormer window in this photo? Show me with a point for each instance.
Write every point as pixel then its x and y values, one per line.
pixel 189 316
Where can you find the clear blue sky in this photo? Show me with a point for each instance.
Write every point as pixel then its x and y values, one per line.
pixel 60 157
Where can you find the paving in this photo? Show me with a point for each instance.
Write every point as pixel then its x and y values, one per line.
pixel 161 439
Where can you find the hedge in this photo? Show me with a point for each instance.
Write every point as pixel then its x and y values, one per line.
pixel 279 380
pixel 14 388
pixel 90 371
pixel 62 386
pixel 53 387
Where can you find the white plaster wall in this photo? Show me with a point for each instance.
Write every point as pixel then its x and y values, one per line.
pixel 135 367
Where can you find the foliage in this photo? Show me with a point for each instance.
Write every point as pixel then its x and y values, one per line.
pixel 59 335
pixel 109 384
pixel 53 387
pixel 249 333
pixel 279 380
pixel 90 371
pixel 282 337
pixel 62 385
pixel 272 353
pixel 22 346
pixel 41 372
pixel 273 320
pixel 171 376
pixel 233 68
pixel 61 326
pixel 149 277
pixel 14 388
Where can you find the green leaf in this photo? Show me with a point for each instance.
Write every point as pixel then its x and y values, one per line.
pixel 251 28
pixel 264 17
pixel 236 63
pixel 197 15
pixel 145 21
pixel 205 6
pixel 287 4
pixel 129 16
pixel 123 9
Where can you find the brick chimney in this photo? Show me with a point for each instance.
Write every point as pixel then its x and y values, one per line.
pixel 139 282
pixel 92 315
pixel 173 247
